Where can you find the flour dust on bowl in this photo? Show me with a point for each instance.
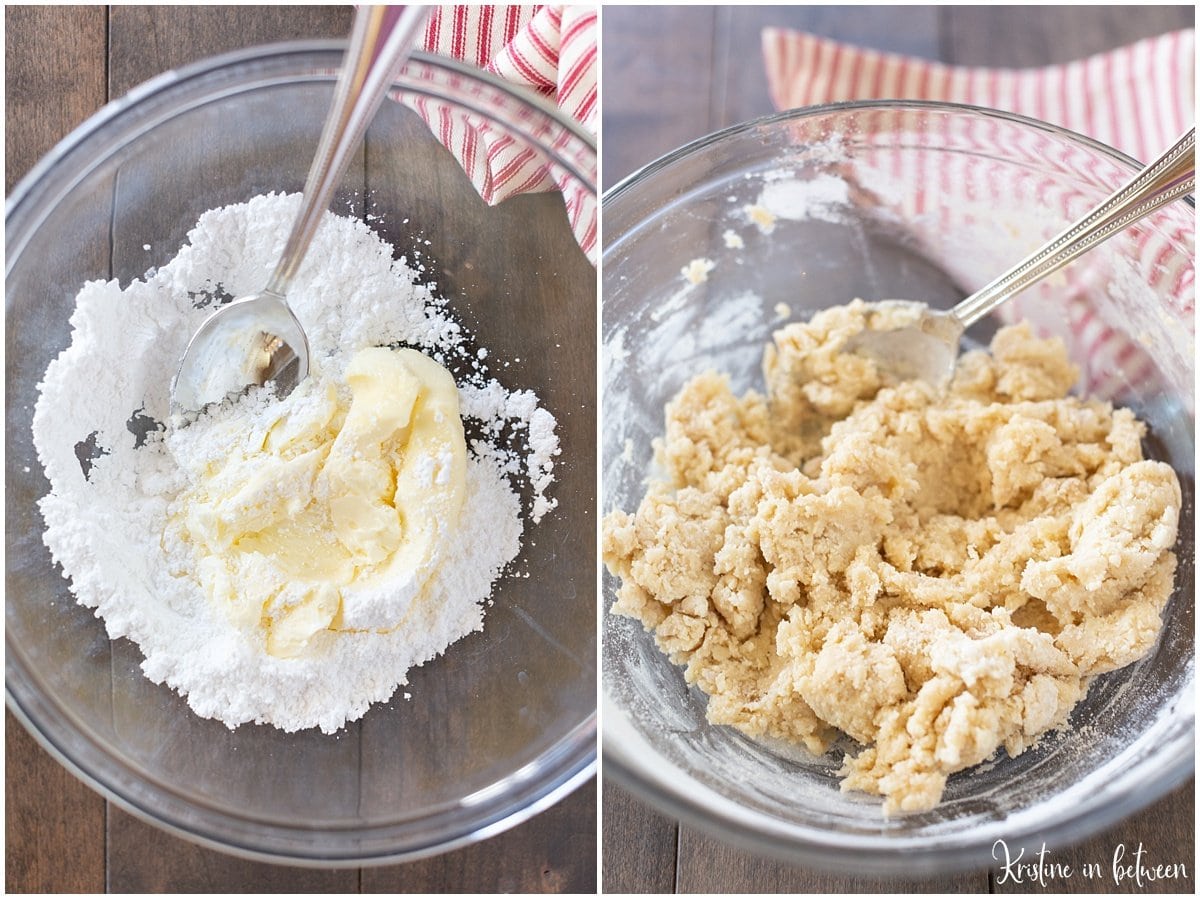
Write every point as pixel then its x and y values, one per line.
pixel 252 684
pixel 747 239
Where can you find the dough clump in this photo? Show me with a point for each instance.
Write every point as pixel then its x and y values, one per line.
pixel 933 575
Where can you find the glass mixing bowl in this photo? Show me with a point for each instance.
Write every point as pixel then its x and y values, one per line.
pixel 500 726
pixel 916 201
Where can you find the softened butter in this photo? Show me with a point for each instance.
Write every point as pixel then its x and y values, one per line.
pixel 350 492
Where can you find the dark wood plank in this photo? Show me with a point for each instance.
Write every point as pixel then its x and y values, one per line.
pixel 50 91
pixel 54 79
pixel 672 74
pixel 554 852
pixel 1166 834
pixel 145 859
pixel 640 72
pixel 895 29
pixel 708 865
pixel 53 824
pixel 640 846
pixel 1046 35
pixel 147 40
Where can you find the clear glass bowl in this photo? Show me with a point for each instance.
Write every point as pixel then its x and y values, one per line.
pixel 889 200
pixel 504 723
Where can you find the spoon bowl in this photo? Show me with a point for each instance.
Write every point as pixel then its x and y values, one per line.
pixel 253 340
pixel 924 348
pixel 257 339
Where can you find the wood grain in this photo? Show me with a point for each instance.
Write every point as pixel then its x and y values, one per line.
pixel 708 865
pixel 558 855
pixel 911 29
pixel 674 74
pixel 53 824
pixel 639 845
pixel 1047 35
pixel 147 40
pixel 49 92
pixel 644 74
pixel 145 859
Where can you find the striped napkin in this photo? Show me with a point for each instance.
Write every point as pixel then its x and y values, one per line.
pixel 548 49
pixel 1139 99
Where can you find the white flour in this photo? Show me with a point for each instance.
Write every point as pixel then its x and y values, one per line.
pixel 105 526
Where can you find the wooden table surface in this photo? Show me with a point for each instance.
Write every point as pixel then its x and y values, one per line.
pixel 672 74
pixel 62 64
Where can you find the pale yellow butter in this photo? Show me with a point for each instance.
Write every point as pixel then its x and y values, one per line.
pixel 339 495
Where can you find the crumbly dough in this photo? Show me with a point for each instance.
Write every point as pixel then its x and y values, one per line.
pixel 696 271
pixel 935 576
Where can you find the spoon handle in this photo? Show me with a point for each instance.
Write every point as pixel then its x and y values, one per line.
pixel 1170 176
pixel 380 42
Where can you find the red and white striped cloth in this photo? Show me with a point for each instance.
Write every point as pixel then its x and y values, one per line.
pixel 549 49
pixel 1139 99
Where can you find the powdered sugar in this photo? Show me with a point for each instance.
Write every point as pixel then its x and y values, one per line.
pixel 113 475
pixel 514 417
pixel 822 196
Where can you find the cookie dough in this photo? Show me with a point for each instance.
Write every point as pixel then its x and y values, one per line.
pixel 933 575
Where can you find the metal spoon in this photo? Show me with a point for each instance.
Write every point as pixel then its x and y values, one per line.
pixel 257 338
pixel 926 348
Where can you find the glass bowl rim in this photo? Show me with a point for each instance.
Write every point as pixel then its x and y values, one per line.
pixel 173 78
pixel 573 757
pixel 803 112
